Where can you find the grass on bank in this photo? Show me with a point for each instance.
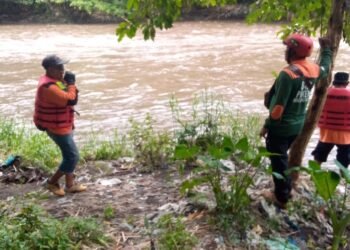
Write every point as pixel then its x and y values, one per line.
pixel 208 120
pixel 206 125
pixel 29 227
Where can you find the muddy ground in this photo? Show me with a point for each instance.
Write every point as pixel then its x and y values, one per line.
pixel 134 196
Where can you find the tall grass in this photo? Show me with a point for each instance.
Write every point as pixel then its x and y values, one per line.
pixel 32 228
pixel 36 148
pixel 205 124
pixel 210 120
pixel 97 147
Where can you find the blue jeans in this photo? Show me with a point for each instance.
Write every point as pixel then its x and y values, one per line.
pixel 70 153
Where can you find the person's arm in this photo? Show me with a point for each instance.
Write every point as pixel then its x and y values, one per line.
pixel 326 57
pixel 283 89
pixel 59 97
pixel 279 101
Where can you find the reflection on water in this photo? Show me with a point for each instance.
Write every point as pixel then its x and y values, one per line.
pixel 128 79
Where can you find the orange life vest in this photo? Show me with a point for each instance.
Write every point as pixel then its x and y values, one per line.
pixel 48 115
pixel 336 111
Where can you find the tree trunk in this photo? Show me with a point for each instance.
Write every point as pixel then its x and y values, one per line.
pixel 334 33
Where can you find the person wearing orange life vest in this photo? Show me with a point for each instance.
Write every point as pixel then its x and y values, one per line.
pixel 55 97
pixel 287 108
pixel 334 122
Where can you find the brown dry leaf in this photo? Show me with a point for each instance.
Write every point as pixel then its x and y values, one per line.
pixel 195 215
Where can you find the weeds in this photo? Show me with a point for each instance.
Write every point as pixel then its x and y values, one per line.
pixel 326 182
pixel 109 212
pixel 35 148
pixel 95 148
pixel 232 200
pixel 32 228
pixel 173 234
pixel 152 149
pixel 211 134
pixel 202 127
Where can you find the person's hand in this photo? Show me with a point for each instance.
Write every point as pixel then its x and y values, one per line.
pixel 325 42
pixel 263 132
pixel 69 78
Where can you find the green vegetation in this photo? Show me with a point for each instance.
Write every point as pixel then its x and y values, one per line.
pixel 173 234
pixel 35 148
pixel 326 182
pixel 111 7
pixel 32 228
pixel 96 147
pixel 211 134
pixel 201 141
pixel 109 212
pixel 152 149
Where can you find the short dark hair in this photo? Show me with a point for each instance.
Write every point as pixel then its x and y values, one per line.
pixel 52 61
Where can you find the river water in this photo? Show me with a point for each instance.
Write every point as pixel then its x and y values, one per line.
pixel 118 81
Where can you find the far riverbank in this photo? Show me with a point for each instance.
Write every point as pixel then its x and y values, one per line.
pixel 43 13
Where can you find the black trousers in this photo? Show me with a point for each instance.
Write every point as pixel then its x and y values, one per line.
pixel 280 145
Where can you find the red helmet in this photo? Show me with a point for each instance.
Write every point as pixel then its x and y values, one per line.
pixel 300 44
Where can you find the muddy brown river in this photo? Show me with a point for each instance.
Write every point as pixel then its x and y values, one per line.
pixel 118 81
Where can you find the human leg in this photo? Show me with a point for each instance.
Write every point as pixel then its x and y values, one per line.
pixel 322 151
pixel 70 159
pixel 343 154
pixel 280 145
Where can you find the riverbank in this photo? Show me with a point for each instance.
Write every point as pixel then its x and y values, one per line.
pixel 172 185
pixel 15 13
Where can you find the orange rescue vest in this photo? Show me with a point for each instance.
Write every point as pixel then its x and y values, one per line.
pixel 336 111
pixel 48 115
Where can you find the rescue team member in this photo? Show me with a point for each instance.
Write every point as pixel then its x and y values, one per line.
pixel 55 98
pixel 334 122
pixel 287 108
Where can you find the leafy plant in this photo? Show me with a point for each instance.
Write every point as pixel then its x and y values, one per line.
pixel 232 200
pixel 96 148
pixel 202 127
pixel 34 147
pixel 147 15
pixel 326 182
pixel 152 149
pixel 173 234
pixel 32 228
pixel 109 212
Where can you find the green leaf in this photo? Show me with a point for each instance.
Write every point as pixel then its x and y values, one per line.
pixel 218 152
pixel 190 184
pixel 326 183
pixel 242 144
pixel 344 171
pixel 264 152
pixel 184 152
pixel 314 166
pixel 130 4
pixel 227 144
pixel 278 176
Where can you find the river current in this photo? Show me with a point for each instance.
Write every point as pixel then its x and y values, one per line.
pixel 118 81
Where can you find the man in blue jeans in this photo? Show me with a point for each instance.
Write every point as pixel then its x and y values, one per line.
pixel 54 113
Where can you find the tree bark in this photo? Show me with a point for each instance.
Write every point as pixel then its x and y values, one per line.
pixel 334 33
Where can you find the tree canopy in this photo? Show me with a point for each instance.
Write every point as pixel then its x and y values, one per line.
pixel 299 15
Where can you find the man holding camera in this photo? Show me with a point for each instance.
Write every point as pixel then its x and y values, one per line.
pixel 54 113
